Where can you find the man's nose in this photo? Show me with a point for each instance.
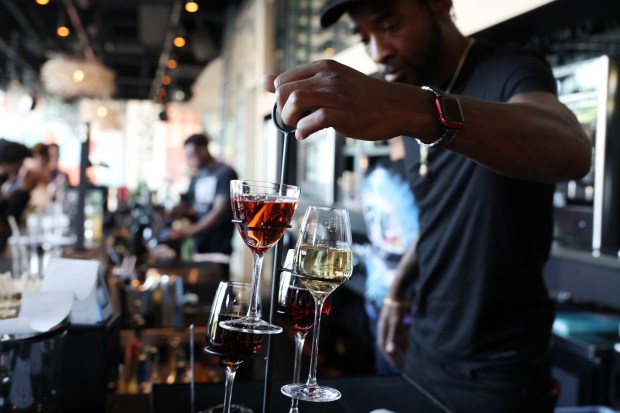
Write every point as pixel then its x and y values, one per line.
pixel 378 50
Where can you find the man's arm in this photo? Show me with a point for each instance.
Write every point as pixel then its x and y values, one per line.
pixel 533 136
pixel 391 330
pixel 219 211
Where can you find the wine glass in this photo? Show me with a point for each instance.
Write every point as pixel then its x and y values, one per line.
pixel 296 308
pixel 232 300
pixel 323 261
pixel 263 212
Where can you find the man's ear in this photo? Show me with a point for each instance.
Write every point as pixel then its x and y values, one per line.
pixel 441 8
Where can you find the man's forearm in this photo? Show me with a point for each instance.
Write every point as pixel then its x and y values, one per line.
pixel 406 273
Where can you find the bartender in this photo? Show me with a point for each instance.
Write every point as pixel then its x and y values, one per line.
pixel 207 202
pixel 486 138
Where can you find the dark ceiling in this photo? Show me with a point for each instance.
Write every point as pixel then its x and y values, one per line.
pixel 129 36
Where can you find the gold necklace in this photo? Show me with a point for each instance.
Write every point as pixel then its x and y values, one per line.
pixel 423 149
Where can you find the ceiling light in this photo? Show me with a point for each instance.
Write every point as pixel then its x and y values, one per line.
pixel 179 41
pixel 102 111
pixel 63 31
pixel 42 2
pixel 78 76
pixel 191 7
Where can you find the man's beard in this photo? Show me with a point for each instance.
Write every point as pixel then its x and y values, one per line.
pixel 431 63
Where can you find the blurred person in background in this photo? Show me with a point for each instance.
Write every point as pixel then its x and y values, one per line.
pixel 17 181
pixel 58 176
pixel 43 193
pixel 207 201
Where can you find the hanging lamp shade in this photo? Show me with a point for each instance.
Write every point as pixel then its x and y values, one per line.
pixel 71 78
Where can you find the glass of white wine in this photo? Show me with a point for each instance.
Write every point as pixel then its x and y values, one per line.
pixel 323 260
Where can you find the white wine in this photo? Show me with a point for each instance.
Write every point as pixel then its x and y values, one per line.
pixel 333 265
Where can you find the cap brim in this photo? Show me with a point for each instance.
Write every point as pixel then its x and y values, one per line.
pixel 334 10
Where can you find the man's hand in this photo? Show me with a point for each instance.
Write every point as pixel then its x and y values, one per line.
pixel 176 234
pixel 392 333
pixel 326 93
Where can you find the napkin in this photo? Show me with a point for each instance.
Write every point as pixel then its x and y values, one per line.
pixel 78 277
pixel 39 312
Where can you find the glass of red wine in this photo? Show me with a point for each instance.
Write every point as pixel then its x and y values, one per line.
pixel 322 261
pixel 296 308
pixel 231 302
pixel 263 212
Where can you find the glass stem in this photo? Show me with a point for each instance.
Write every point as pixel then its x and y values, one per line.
pixel 231 371
pixel 318 303
pixel 257 261
pixel 300 338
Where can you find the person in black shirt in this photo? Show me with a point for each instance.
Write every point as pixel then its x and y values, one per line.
pixel 207 201
pixel 486 138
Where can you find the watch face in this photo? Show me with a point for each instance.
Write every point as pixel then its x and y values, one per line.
pixel 452 116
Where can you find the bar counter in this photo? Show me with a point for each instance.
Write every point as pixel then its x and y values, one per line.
pixel 359 395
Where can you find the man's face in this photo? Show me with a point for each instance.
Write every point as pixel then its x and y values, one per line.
pixel 402 36
pixel 195 156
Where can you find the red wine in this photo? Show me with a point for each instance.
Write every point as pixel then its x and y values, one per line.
pixel 233 346
pixel 298 312
pixel 263 220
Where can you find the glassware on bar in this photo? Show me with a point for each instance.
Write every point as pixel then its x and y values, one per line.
pixel 322 262
pixel 263 212
pixel 232 301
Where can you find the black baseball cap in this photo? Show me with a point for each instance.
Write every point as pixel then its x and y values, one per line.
pixel 334 9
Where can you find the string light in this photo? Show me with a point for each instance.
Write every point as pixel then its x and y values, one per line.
pixel 42 2
pixel 63 31
pixel 179 41
pixel 171 64
pixel 191 7
pixel 166 80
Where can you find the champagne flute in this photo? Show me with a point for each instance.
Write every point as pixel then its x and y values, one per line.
pixel 232 300
pixel 323 261
pixel 263 212
pixel 296 308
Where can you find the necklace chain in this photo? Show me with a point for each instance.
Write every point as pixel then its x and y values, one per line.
pixel 424 169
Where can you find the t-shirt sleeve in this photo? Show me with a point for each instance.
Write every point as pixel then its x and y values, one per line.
pixel 223 183
pixel 529 73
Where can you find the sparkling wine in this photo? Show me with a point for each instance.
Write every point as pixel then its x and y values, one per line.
pixel 330 264
pixel 264 219
pixel 298 309
pixel 233 346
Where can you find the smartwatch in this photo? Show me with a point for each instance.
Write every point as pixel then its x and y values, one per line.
pixel 450 116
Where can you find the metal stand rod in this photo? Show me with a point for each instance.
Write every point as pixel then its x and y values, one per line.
pixel 275 281
pixel 82 186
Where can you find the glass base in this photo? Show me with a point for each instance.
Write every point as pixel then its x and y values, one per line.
pixel 248 325
pixel 234 408
pixel 311 393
